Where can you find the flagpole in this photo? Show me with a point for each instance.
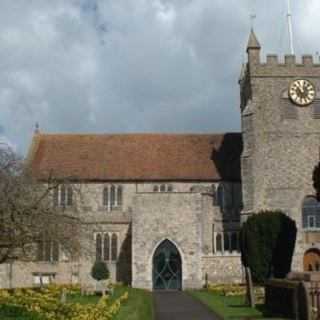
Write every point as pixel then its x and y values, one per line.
pixel 290 29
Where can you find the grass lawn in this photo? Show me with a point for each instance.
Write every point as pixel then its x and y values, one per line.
pixel 139 306
pixel 231 307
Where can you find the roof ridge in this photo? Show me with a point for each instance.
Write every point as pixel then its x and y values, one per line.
pixel 140 134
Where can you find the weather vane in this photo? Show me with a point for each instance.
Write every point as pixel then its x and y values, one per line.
pixel 252 19
pixel 37 128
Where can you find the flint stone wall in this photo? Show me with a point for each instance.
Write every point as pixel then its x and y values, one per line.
pixel 176 217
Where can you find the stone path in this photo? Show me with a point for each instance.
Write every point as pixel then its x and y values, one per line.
pixel 178 305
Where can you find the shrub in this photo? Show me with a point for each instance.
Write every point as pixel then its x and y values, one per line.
pixel 267 242
pixel 316 180
pixel 100 271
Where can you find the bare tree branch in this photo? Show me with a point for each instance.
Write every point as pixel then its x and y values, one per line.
pixel 27 212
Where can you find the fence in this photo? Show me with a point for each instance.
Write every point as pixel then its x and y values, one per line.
pixel 297 297
pixel 314 299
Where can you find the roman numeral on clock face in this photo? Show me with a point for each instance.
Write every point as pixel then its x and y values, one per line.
pixel 302 92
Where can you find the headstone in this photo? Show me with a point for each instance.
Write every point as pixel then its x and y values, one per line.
pixel 250 299
pixel 304 311
pixel 63 298
pixel 206 281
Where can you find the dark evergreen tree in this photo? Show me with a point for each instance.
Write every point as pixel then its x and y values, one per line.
pixel 316 180
pixel 100 271
pixel 267 242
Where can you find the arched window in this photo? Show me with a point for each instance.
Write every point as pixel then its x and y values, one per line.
pixel 119 196
pixel 105 196
pixel 220 197
pixel 156 188
pixel 170 188
pixel 226 240
pixel 56 196
pixel 47 250
pixel 69 196
pixel 234 242
pixel 62 196
pixel 219 242
pixel 114 247
pixel 311 213
pixel 163 188
pixel 214 194
pixel 112 196
pixel 55 251
pixel 106 247
pixel 40 250
pixel 98 247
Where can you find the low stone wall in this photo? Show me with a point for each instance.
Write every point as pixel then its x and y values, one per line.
pixel 4 275
pixel 22 274
pixel 222 269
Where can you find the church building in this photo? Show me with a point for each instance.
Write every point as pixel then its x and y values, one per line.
pixel 164 210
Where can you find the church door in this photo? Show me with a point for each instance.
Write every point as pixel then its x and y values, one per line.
pixel 167 270
pixel 311 260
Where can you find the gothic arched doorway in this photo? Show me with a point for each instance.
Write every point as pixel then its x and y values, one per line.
pixel 311 260
pixel 167 267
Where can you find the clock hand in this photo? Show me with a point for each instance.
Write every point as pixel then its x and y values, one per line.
pixel 300 86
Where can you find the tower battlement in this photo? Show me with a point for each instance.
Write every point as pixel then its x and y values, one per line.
pixel 287 66
pixel 277 66
pixel 291 60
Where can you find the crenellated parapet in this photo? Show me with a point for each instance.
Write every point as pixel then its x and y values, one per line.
pixel 290 61
pixel 288 66
pixel 276 66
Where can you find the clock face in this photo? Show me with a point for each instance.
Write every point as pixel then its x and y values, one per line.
pixel 302 92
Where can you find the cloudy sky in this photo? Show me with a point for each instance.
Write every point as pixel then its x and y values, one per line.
pixel 134 65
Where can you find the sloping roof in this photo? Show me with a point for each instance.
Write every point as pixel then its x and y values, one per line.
pixel 253 42
pixel 136 157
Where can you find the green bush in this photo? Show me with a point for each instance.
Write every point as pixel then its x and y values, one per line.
pixel 267 242
pixel 100 271
pixel 316 180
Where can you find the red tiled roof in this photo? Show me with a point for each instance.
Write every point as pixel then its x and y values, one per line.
pixel 137 157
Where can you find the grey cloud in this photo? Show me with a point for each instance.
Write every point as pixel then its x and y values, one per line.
pixel 132 65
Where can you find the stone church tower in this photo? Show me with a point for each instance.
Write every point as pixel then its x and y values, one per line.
pixel 280 114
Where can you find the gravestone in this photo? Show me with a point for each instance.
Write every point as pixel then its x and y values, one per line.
pixel 250 299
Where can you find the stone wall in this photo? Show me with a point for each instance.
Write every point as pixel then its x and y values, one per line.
pixel 188 216
pixel 281 145
pixel 22 274
pixel 222 269
pixel 176 217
